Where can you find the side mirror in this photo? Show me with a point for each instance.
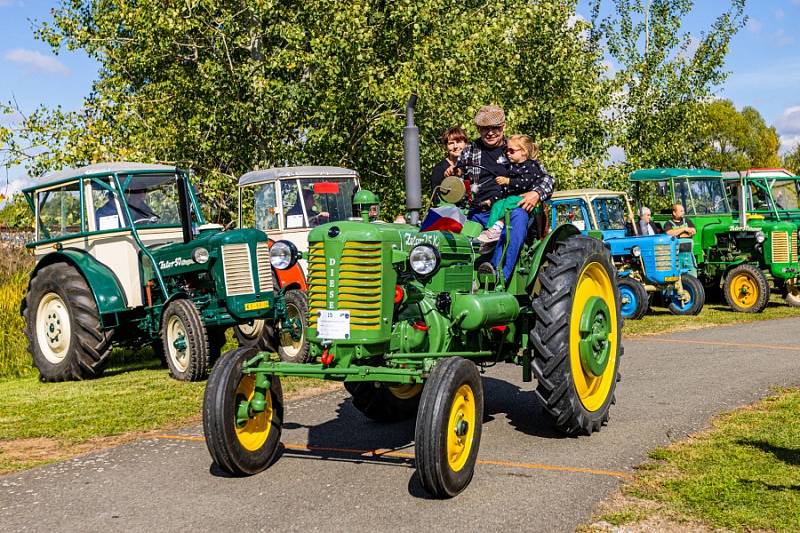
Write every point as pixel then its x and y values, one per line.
pixel 452 189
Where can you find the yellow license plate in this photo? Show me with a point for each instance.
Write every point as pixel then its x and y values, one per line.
pixel 669 279
pixel 252 306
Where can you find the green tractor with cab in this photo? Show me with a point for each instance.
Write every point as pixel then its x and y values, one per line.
pixel 124 256
pixel 738 252
pixel 407 321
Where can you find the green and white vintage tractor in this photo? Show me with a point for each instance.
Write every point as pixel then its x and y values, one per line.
pixel 123 255
pixel 739 253
pixel 405 319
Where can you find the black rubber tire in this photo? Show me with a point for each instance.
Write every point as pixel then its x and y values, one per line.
pixel 196 339
pixel 264 342
pixel 219 415
pixel 550 335
pixel 89 346
pixel 761 285
pixel 377 401
pixel 297 302
pixel 696 288
pixel 642 298
pixel 435 473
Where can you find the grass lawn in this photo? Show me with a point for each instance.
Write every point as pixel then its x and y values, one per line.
pixel 743 474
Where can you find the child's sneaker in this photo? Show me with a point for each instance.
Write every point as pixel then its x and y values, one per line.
pixel 489 235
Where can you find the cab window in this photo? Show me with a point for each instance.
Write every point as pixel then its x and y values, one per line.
pixel 571 213
pixel 59 211
pixel 266 207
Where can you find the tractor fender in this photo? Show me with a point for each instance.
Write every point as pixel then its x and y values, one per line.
pixel 105 287
pixel 546 245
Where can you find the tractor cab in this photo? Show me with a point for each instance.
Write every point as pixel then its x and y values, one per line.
pixel 592 210
pixel 288 202
pixel 770 193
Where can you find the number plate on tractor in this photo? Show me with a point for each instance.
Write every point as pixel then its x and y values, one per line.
pixel 333 325
pixel 252 306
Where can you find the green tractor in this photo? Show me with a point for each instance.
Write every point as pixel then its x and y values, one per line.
pixel 740 253
pixel 124 256
pixel 407 321
pixel 771 197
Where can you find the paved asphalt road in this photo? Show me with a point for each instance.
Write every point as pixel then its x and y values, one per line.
pixel 528 478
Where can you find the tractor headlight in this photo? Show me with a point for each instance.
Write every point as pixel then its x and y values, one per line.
pixel 760 237
pixel 636 251
pixel 424 259
pixel 283 255
pixel 200 255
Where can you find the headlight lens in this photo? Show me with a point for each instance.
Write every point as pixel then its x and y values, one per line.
pixel 760 237
pixel 636 251
pixel 200 255
pixel 283 255
pixel 424 259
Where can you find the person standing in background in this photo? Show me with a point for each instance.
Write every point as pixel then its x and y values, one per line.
pixel 454 140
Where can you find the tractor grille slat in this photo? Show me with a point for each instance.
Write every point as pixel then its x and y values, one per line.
pixel 238 269
pixel 780 247
pixel 664 259
pixel 264 267
pixel 359 283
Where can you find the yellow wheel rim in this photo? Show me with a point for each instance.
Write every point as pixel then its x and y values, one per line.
pixel 592 390
pixel 461 428
pixel 406 392
pixel 744 290
pixel 253 434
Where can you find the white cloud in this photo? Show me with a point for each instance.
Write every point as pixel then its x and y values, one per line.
pixel 754 25
pixel 16 180
pixel 36 61
pixel 788 126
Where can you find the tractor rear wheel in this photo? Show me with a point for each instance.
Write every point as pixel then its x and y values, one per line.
pixel 746 289
pixel 291 342
pixel 697 297
pixel 384 403
pixel 448 430
pixel 791 294
pixel 577 335
pixel 241 442
pixel 634 301
pixel 185 341
pixel 255 334
pixel 63 327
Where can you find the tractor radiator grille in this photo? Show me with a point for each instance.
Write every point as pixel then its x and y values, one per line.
pixel 264 267
pixel 793 248
pixel 664 258
pixel 780 247
pixel 238 269
pixel 359 284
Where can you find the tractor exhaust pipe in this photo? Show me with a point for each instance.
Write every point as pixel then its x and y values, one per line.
pixel 742 201
pixel 411 153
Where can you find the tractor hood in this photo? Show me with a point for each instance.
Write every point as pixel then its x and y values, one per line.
pixel 179 258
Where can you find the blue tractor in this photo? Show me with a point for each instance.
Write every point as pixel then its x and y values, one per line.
pixel 647 265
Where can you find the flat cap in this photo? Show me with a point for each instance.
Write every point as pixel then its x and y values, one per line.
pixel 490 115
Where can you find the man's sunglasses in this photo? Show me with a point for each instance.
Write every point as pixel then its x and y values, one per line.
pixel 490 128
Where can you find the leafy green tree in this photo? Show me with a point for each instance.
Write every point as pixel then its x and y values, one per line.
pixel 16 214
pixel 234 86
pixel 665 76
pixel 792 160
pixel 737 140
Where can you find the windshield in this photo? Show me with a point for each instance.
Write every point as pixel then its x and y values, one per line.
pixel 571 213
pixel 610 212
pixel 321 201
pixel 702 196
pixel 151 200
pixel 786 193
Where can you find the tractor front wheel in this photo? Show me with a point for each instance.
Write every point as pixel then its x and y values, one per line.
pixel 746 289
pixel 693 303
pixel 242 421
pixel 185 341
pixel 63 327
pixel 577 335
pixel 448 430
pixel 634 301
pixel 385 403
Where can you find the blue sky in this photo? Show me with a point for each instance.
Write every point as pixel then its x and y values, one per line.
pixel 764 62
